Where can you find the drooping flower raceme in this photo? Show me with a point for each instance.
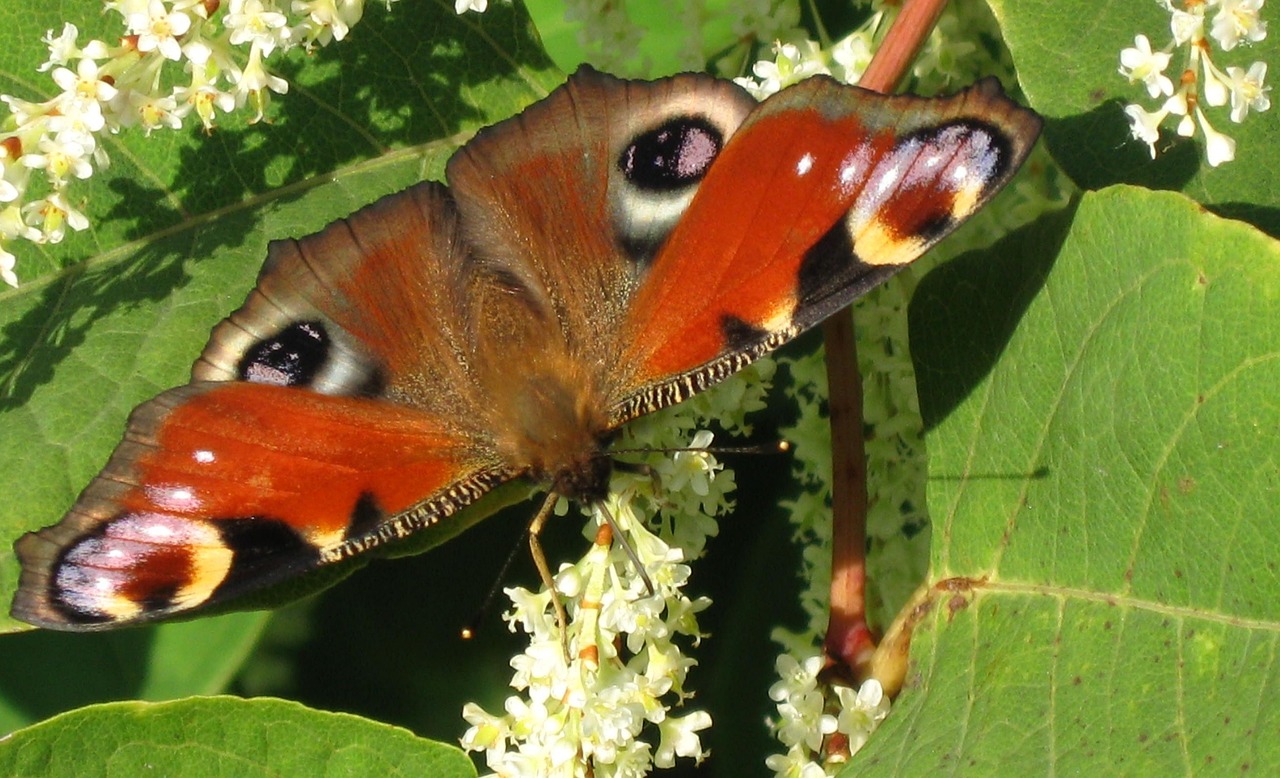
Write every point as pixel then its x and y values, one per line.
pixel 1196 27
pixel 614 705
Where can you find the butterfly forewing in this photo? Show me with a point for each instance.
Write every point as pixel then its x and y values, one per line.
pixel 825 191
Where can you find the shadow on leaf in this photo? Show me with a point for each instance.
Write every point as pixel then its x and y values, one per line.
pixel 964 312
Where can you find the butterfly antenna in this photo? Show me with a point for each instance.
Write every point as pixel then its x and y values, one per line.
pixel 626 547
pixel 776 447
pixel 544 570
pixel 470 628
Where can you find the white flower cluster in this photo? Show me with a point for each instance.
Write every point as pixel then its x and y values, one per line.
pixel 220 47
pixel 1229 23
pixel 597 712
pixel 794 62
pixel 948 58
pixel 820 736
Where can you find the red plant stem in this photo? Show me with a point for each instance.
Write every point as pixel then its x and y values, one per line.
pixel 850 640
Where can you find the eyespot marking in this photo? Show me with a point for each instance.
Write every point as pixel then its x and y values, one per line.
pixel 672 155
pixel 293 357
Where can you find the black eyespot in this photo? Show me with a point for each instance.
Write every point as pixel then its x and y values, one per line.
pixel 292 357
pixel 672 155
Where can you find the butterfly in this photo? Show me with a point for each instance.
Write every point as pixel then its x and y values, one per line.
pixel 612 250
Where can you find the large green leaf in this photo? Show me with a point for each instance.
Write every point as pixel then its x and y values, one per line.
pixel 1104 481
pixel 222 736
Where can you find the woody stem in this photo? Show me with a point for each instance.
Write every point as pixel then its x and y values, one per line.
pixel 850 641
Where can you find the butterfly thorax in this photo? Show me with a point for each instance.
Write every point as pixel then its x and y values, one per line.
pixel 556 431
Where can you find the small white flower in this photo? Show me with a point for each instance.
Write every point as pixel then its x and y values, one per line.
pixel 58 159
pixel 12 225
pixel 203 100
pixel 61 48
pixel 254 82
pixel 1186 26
pixel 150 112
pixel 802 719
pixel 1214 88
pixel 1177 104
pixel 158 29
pixel 462 6
pixel 22 111
pixel 791 64
pixel 85 83
pixel 531 612
pixel 795 676
pixel 328 19
pixel 1237 21
pixel 1218 148
pixel 52 215
pixel 13 178
pixel 250 21
pixel 1140 63
pixel 691 469
pixel 680 738
pixel 7 263
pixel 541 669
pixel 796 763
pixel 1186 126
pixel 487 733
pixel 81 118
pixel 861 712
pixel 853 54
pixel 1247 90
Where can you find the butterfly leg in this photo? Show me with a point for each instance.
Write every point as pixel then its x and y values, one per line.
pixel 544 570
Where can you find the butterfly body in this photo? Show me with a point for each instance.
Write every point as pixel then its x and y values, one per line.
pixel 614 249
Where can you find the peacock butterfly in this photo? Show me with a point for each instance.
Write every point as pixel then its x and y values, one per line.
pixel 615 248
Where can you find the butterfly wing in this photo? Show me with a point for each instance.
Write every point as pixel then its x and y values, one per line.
pixel 824 192
pixel 332 412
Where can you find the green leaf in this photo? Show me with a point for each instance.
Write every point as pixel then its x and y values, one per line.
pixel 1068 59
pixel 1104 477
pixel 49 672
pixel 222 736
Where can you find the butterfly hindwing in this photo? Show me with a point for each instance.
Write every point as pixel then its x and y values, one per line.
pixel 574 196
